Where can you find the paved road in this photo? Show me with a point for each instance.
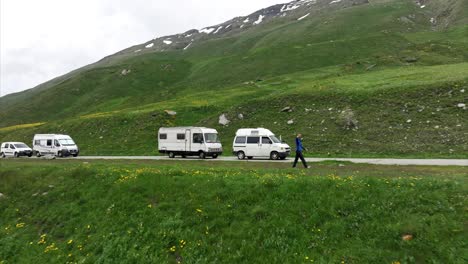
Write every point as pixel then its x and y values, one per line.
pixel 432 162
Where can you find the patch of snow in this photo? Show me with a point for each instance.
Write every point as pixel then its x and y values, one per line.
pixel 228 26
pixel 217 30
pixel 138 50
pixel 335 2
pixel 167 42
pixel 207 30
pixel 299 19
pixel 259 20
pixel 189 35
pixel 289 7
pixel 247 20
pixel 188 46
pixel 241 26
pixel 149 45
pixel 423 6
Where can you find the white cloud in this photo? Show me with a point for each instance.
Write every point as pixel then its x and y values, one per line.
pixel 40 40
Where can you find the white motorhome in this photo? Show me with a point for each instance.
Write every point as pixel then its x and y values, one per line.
pixel 57 145
pixel 189 141
pixel 259 142
pixel 15 149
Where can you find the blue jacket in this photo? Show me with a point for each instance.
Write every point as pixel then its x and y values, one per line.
pixel 299 146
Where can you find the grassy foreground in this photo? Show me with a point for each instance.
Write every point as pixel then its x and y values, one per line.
pixel 166 212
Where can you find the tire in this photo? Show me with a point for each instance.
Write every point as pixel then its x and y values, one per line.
pixel 274 155
pixel 215 156
pixel 29 155
pixel 202 155
pixel 60 154
pixel 184 156
pixel 38 154
pixel 75 155
pixel 2 155
pixel 283 158
pixel 250 158
pixel 241 155
pixel 171 155
pixel 16 155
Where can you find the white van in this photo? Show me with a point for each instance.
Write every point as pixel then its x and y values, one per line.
pixel 57 145
pixel 259 142
pixel 189 141
pixel 15 149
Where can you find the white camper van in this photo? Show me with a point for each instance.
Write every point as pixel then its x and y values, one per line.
pixel 189 141
pixel 15 149
pixel 57 145
pixel 259 142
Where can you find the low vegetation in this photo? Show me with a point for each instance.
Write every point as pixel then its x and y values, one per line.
pixel 164 212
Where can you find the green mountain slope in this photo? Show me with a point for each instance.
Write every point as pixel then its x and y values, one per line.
pixel 399 70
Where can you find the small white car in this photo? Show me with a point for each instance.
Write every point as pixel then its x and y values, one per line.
pixel 15 149
pixel 259 142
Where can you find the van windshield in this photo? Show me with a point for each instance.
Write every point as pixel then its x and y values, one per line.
pixel 275 139
pixel 211 138
pixel 67 142
pixel 21 146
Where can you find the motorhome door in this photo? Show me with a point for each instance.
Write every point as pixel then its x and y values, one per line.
pixel 188 142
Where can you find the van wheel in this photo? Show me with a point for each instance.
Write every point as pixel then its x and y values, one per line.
pixel 75 155
pixel 171 155
pixel 60 154
pixel 16 155
pixel 250 157
pixel 282 158
pixel 241 155
pixel 29 155
pixel 274 155
pixel 215 156
pixel 2 155
pixel 184 156
pixel 202 155
pixel 38 154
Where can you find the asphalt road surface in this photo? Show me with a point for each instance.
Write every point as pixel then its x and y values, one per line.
pixel 422 162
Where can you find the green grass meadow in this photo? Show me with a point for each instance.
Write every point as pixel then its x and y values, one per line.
pixel 228 212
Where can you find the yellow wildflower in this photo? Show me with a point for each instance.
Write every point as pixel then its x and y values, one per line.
pixel 20 225
pixel 70 241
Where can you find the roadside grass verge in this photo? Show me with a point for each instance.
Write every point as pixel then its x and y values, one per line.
pixel 168 212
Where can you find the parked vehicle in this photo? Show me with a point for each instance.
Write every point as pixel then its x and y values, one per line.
pixel 259 142
pixel 189 141
pixel 57 145
pixel 15 149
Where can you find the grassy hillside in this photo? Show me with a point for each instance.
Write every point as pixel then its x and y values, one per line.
pixel 159 212
pixel 383 63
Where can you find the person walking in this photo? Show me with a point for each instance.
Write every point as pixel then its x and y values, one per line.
pixel 299 150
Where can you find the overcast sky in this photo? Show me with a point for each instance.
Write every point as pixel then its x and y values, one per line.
pixel 40 40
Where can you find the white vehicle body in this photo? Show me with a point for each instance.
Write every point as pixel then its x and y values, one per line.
pixel 53 144
pixel 189 141
pixel 259 142
pixel 14 149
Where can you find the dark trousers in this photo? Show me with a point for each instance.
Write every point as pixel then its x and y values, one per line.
pixel 299 156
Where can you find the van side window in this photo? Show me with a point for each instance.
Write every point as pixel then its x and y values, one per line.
pixel 266 140
pixel 163 136
pixel 49 142
pixel 198 138
pixel 241 140
pixel 11 146
pixel 253 140
pixel 6 145
pixel 180 136
pixel 37 142
pixel 56 143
